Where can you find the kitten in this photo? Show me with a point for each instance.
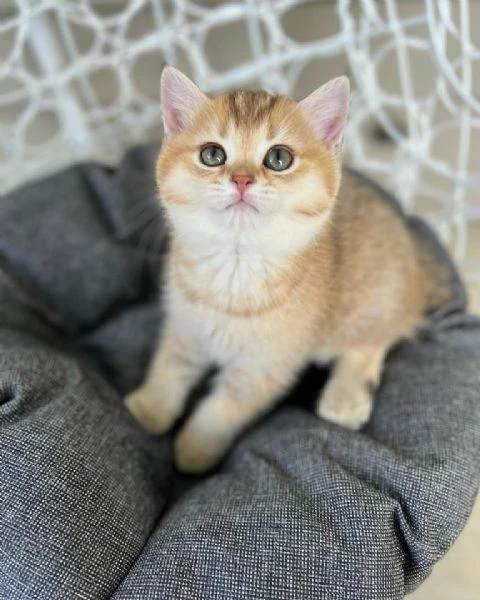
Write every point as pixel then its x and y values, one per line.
pixel 272 265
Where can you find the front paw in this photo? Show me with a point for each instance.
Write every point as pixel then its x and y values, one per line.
pixel 195 453
pixel 349 405
pixel 148 410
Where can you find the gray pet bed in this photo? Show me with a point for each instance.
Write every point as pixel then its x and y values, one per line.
pixel 91 507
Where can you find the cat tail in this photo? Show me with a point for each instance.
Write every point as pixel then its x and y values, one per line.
pixel 443 285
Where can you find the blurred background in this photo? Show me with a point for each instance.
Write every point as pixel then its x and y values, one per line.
pixel 79 80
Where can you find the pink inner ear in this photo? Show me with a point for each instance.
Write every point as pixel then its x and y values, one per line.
pixel 181 100
pixel 334 130
pixel 171 120
pixel 327 110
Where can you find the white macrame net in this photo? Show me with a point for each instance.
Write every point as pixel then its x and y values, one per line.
pixel 79 80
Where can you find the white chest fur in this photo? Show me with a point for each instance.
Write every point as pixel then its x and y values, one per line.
pixel 220 337
pixel 233 300
pixel 235 273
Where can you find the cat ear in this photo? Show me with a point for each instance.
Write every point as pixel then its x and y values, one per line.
pixel 327 110
pixel 180 98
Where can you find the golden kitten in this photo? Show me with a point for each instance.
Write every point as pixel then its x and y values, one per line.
pixel 272 265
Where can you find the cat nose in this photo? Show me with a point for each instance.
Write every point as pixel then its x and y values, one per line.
pixel 242 181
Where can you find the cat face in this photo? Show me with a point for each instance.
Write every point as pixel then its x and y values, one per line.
pixel 247 163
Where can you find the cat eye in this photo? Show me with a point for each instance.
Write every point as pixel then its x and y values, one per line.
pixel 278 158
pixel 213 155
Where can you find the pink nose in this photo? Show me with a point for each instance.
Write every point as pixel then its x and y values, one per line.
pixel 242 181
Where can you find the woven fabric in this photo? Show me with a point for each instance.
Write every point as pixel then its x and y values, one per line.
pixel 91 507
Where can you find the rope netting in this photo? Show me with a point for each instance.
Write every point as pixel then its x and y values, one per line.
pixel 79 80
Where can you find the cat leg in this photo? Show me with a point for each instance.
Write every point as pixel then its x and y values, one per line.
pixel 240 397
pixel 160 400
pixel 347 398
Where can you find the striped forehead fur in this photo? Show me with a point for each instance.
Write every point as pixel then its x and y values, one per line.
pixel 250 107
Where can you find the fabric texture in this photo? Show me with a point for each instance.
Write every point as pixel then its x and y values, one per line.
pixel 91 506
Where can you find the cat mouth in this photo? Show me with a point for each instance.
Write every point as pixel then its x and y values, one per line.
pixel 241 205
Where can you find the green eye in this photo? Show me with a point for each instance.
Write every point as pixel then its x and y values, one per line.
pixel 278 158
pixel 213 155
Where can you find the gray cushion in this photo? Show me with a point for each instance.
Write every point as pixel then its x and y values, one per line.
pixel 91 507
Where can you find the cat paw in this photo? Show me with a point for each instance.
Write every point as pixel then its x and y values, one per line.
pixel 194 453
pixel 147 409
pixel 348 405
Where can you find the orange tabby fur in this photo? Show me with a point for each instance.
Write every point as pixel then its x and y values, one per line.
pixel 325 271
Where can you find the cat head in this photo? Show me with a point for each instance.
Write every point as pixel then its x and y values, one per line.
pixel 249 164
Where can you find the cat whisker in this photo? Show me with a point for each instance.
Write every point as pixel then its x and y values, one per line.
pixel 143 220
pixel 150 203
pixel 133 211
pixel 149 246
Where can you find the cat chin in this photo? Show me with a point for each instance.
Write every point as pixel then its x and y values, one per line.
pixel 210 223
pixel 242 206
